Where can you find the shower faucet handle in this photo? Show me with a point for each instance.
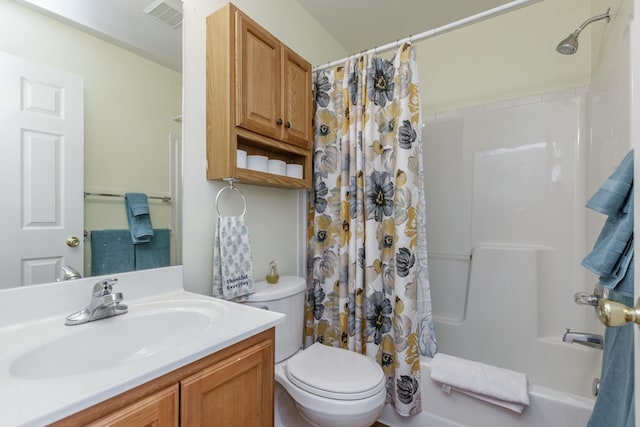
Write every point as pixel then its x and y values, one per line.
pixel 584 298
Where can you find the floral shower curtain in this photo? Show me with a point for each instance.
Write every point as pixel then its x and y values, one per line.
pixel 368 286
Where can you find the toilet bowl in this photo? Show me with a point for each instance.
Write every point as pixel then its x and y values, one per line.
pixel 329 386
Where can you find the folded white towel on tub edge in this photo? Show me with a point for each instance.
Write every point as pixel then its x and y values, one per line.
pixel 495 385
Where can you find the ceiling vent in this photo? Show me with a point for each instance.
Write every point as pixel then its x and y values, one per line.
pixel 167 11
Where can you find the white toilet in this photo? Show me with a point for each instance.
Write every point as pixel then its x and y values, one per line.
pixel 329 386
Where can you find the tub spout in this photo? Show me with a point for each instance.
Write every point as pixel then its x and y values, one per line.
pixel 584 338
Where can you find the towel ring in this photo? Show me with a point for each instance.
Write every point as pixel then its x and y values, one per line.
pixel 231 186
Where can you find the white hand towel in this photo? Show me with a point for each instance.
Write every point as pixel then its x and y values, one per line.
pixel 492 384
pixel 232 264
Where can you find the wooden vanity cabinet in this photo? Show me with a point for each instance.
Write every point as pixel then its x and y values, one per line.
pixel 231 392
pixel 259 99
pixel 233 386
pixel 159 409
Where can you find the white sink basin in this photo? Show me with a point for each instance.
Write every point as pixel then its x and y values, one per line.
pixel 145 331
pixel 49 371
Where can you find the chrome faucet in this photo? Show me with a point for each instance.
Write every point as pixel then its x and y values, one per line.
pixel 68 273
pixel 104 303
pixel 584 338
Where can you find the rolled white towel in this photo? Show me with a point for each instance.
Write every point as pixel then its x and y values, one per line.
pixel 495 385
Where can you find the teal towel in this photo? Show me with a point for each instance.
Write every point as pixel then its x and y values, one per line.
pixel 138 217
pixel 155 253
pixel 615 402
pixel 612 255
pixel 612 196
pixel 111 252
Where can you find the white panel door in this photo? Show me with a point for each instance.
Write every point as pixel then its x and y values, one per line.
pixel 42 165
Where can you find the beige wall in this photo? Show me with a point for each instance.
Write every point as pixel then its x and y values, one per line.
pixel 129 105
pixel 503 57
pixel 272 214
pixel 507 56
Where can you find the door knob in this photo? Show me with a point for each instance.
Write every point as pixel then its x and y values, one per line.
pixel 73 241
pixel 613 313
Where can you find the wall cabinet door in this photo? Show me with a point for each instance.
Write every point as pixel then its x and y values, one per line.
pixel 236 391
pixel 296 90
pixel 158 410
pixel 273 86
pixel 258 77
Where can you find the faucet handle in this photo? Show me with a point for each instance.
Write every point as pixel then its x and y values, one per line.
pixel 104 287
pixel 584 298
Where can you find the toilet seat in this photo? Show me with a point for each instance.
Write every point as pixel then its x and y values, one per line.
pixel 335 373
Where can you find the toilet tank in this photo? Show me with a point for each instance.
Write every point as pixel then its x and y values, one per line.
pixel 287 297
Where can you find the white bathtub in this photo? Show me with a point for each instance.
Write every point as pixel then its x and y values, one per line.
pixel 548 408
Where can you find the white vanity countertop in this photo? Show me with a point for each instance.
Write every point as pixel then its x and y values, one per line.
pixel 33 317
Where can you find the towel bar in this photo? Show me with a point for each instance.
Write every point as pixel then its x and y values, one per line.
pixel 231 186
pixel 165 199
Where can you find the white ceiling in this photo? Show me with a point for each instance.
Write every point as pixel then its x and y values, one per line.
pixel 378 21
pixel 121 22
pixel 364 24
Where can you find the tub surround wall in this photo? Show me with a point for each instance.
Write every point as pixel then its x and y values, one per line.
pixel 609 101
pixel 505 251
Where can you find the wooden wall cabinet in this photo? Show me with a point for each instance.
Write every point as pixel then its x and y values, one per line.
pixel 231 387
pixel 259 99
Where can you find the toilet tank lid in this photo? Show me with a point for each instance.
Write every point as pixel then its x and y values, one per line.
pixel 286 286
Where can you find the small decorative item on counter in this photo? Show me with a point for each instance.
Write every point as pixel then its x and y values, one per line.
pixel 272 275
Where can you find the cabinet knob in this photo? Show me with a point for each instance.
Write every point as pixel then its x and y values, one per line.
pixel 279 122
pixel 287 125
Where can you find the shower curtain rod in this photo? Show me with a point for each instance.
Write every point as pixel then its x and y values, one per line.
pixel 430 33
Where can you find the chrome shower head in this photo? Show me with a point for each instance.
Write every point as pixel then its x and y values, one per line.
pixel 569 46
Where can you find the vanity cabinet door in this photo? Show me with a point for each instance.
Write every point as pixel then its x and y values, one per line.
pixel 237 391
pixel 159 410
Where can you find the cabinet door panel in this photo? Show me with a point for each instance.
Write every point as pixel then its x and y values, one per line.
pixel 237 391
pixel 297 98
pixel 258 74
pixel 158 410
